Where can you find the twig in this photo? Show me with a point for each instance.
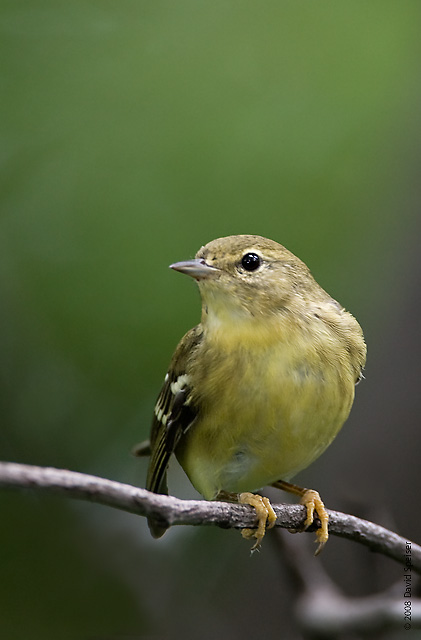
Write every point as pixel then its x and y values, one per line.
pixel 322 610
pixel 172 511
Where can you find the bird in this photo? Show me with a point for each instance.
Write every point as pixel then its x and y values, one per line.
pixel 261 386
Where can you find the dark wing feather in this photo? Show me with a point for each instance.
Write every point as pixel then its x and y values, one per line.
pixel 174 414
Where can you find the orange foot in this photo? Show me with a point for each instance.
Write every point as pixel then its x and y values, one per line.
pixel 266 517
pixel 312 502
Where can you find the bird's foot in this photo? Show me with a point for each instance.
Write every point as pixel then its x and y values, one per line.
pixel 313 502
pixel 266 517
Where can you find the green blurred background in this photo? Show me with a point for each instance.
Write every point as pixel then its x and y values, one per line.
pixel 132 133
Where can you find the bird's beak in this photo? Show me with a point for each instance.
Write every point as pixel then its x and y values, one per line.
pixel 197 268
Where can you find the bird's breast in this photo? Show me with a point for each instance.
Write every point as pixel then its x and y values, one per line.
pixel 266 411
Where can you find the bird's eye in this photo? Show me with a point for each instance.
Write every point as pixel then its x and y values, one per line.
pixel 250 261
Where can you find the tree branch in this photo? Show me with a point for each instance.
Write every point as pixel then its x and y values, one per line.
pixel 172 511
pixel 322 610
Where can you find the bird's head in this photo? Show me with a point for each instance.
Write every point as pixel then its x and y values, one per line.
pixel 248 275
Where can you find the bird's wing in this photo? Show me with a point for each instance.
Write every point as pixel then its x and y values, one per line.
pixel 173 415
